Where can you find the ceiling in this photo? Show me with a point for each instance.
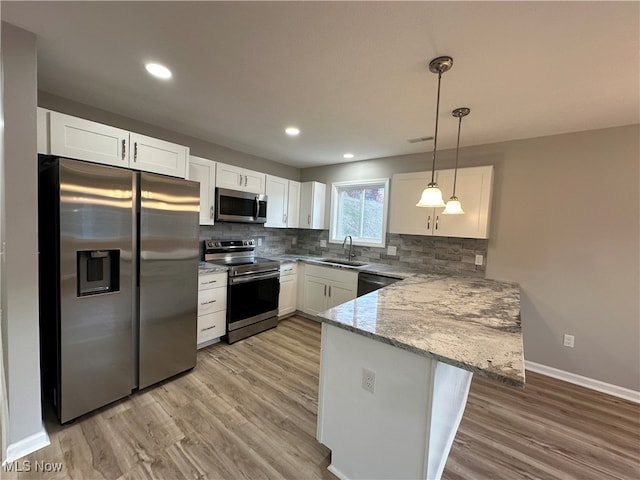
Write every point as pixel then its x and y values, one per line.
pixel 352 76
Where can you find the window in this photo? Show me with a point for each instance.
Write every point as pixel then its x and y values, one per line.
pixel 359 209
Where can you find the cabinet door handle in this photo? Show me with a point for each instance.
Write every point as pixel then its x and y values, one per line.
pixel 437 220
pixel 245 180
pixel 135 152
pixel 309 219
pixel 211 212
pixel 329 290
pixel 209 282
pixel 240 180
pixel 208 328
pixel 429 222
pixel 124 149
pixel 208 303
pixel 325 290
pixel 284 218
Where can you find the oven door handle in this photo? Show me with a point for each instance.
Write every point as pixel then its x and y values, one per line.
pixel 253 278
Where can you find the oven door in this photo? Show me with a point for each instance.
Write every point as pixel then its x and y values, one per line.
pixel 244 207
pixel 252 298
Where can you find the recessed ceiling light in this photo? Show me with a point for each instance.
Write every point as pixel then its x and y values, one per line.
pixel 348 155
pixel 292 131
pixel 159 71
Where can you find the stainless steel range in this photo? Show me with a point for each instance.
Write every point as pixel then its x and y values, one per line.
pixel 253 287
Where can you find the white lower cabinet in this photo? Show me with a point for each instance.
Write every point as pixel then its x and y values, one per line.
pixel 212 307
pixel 326 287
pixel 288 289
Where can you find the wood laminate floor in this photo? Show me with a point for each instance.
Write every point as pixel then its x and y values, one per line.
pixel 248 411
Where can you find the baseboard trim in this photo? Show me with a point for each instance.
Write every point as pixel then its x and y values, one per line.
pixel 336 472
pixel 608 388
pixel 26 446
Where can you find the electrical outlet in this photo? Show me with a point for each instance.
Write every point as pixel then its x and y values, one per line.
pixel 568 340
pixel 392 250
pixel 368 380
pixel 259 241
pixel 479 260
pixel 323 243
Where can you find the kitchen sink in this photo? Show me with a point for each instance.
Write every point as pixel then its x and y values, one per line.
pixel 338 261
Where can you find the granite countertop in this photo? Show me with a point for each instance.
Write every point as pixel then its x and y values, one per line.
pixel 206 267
pixel 383 269
pixel 467 322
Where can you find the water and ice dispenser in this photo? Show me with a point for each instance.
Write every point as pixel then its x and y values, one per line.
pixel 98 271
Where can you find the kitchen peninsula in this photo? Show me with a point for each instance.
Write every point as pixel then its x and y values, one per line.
pixel 396 367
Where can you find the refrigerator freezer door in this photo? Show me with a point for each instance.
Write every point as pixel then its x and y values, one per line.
pixel 96 223
pixel 168 278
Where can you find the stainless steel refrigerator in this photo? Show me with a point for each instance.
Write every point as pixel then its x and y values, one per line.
pixel 118 281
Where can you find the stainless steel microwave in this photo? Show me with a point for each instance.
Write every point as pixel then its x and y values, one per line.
pixel 242 207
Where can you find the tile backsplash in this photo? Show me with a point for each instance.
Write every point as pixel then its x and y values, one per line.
pixel 275 241
pixel 432 254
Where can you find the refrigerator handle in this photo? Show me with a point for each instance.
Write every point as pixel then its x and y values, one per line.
pixel 137 254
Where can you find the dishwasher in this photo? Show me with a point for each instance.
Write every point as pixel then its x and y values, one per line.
pixel 369 282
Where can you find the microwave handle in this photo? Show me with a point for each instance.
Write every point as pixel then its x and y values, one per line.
pixel 257 206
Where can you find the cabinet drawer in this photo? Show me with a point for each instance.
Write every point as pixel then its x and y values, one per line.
pixel 212 300
pixel 288 269
pixel 212 280
pixel 212 326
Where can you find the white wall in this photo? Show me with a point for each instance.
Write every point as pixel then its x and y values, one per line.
pixel 565 225
pixel 20 274
pixel 567 228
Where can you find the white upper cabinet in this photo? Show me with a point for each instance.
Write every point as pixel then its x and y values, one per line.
pixel 42 129
pixel 152 155
pixel 277 201
pixel 283 202
pixel 67 136
pixel 474 187
pixel 404 216
pixel 204 171
pixel 228 176
pixel 312 202
pixel 85 140
pixel 236 178
pixel 293 207
pixel 254 182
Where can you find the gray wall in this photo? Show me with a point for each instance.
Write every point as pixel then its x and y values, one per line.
pixel 565 225
pixel 199 148
pixel 20 274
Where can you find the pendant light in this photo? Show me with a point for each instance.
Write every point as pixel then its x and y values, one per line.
pixel 453 206
pixel 432 195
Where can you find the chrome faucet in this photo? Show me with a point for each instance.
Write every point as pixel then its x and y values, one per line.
pixel 350 255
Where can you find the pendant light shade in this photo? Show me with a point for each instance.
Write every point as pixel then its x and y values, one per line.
pixel 432 195
pixel 454 207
